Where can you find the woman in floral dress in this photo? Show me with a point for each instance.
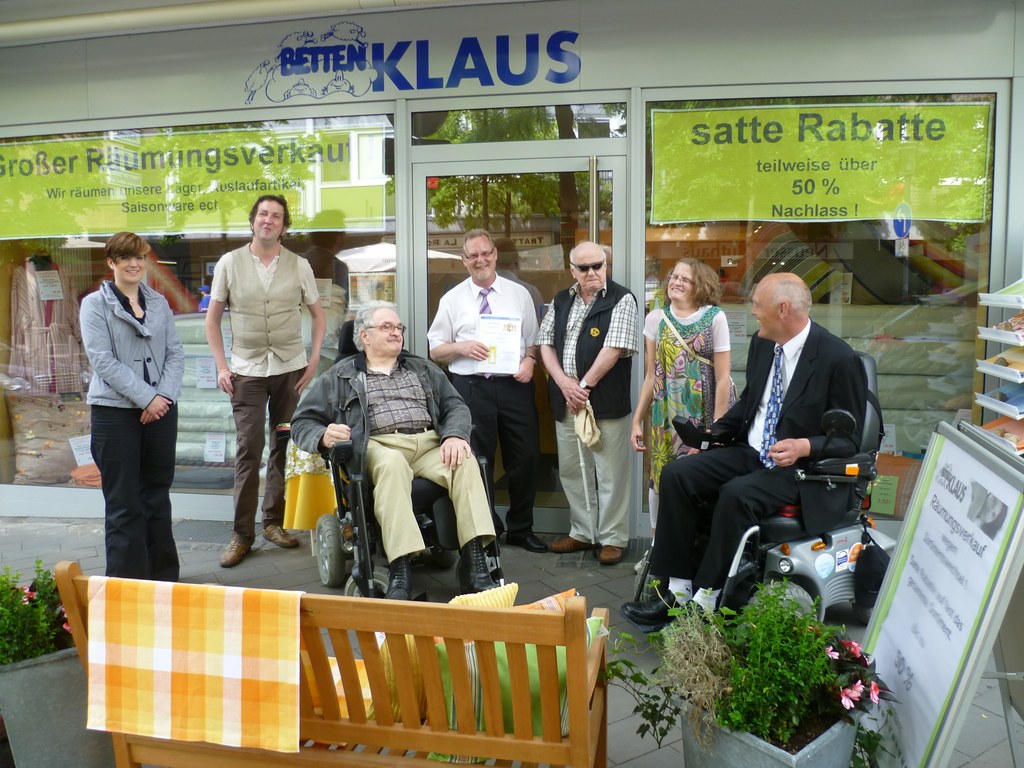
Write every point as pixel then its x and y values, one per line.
pixel 686 367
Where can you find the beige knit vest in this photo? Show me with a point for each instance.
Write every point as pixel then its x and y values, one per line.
pixel 265 321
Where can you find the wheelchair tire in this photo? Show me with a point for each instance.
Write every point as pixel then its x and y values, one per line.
pixel 800 596
pixel 642 588
pixel 439 557
pixel 380 581
pixel 330 556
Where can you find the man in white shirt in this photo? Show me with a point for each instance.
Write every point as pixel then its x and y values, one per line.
pixel 503 405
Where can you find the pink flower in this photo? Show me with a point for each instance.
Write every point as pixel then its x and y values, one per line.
pixel 850 696
pixel 831 653
pixel 853 647
pixel 874 691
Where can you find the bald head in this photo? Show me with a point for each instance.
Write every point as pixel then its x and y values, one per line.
pixel 782 305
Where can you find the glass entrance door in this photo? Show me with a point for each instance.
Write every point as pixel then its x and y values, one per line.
pixel 536 211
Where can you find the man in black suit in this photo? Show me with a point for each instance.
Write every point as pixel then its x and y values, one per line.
pixel 756 474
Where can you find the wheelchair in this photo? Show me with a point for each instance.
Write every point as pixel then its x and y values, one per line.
pixel 351 533
pixel 815 566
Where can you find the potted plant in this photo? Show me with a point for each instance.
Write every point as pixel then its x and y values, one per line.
pixel 770 685
pixel 42 684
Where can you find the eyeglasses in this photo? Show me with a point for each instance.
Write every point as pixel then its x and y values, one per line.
pixel 479 255
pixel 680 279
pixel 584 268
pixel 389 327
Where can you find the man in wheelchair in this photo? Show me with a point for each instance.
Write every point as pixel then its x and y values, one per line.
pixel 405 420
pixel 796 370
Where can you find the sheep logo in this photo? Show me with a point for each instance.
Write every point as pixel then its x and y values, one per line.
pixel 316 66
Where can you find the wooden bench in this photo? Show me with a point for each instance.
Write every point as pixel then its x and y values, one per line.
pixel 338 627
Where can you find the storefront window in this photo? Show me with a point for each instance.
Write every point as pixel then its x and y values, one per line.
pixel 188 191
pixel 476 126
pixel 881 203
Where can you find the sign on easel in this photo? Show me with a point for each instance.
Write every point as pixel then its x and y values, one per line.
pixel 946 593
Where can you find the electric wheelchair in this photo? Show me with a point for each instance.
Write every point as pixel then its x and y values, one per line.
pixel 816 565
pixel 352 534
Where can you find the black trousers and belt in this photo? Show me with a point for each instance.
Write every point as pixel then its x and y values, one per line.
pixel 505 413
pixel 136 463
pixel 725 490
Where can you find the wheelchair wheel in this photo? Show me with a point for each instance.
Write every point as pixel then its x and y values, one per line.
pixel 643 590
pixel 330 555
pixel 380 582
pixel 439 557
pixel 798 595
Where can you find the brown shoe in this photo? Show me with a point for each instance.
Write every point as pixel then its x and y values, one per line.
pixel 277 535
pixel 234 553
pixel 568 544
pixel 610 555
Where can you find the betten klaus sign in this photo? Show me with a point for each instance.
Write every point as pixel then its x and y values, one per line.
pixel 339 60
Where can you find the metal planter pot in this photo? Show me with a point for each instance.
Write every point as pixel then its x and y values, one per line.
pixel 730 749
pixel 43 701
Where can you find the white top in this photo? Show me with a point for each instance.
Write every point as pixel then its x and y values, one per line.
pixel 458 316
pixel 720 341
pixel 220 287
pixel 790 357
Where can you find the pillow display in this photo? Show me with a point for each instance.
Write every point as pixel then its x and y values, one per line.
pixel 499 597
pixel 594 625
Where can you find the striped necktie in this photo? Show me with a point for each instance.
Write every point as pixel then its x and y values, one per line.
pixel 485 307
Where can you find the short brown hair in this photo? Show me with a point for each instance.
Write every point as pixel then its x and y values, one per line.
pixel 124 245
pixel 706 288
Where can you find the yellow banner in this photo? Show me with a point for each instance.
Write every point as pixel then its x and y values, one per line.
pixel 821 162
pixel 158 182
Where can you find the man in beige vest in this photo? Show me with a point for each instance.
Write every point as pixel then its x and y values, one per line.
pixel 264 285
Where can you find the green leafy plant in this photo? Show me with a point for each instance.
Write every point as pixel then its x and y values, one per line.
pixel 772 670
pixel 32 620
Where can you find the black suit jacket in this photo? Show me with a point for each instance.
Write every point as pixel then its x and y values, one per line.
pixel 828 375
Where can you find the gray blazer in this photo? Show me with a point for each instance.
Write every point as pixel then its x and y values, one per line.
pixel 120 348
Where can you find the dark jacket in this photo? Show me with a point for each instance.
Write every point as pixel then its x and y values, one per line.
pixel 339 397
pixel 828 375
pixel 610 396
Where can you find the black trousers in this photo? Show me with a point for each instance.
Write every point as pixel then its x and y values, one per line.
pixel 136 463
pixel 504 412
pixel 725 490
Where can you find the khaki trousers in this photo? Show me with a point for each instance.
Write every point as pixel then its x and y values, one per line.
pixel 393 461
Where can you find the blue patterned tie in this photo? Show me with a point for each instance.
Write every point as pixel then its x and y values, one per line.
pixel 771 418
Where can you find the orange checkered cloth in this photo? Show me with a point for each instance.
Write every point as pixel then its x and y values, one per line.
pixel 194 663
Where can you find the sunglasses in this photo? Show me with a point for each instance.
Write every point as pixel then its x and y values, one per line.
pixel 584 268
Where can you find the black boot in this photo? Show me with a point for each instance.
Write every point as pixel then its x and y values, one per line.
pixel 399 579
pixel 474 575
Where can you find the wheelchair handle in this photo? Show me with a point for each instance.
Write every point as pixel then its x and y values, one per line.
pixel 341 452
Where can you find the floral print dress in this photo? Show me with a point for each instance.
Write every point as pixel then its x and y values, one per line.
pixel 684 382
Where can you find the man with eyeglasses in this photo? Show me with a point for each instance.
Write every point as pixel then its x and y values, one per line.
pixel 587 341
pixel 265 286
pixel 402 413
pixel 503 404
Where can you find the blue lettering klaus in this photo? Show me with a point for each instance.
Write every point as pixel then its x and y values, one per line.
pixel 341 61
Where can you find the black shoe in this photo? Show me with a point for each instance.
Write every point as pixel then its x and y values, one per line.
pixel 650 612
pixel 474 575
pixel 399 579
pixel 527 541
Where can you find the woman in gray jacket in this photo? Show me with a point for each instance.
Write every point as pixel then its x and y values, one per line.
pixel 138 362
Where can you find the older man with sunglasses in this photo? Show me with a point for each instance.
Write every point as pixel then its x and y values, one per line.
pixel 587 341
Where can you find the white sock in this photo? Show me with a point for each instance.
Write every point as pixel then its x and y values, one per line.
pixel 681 588
pixel 707 598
